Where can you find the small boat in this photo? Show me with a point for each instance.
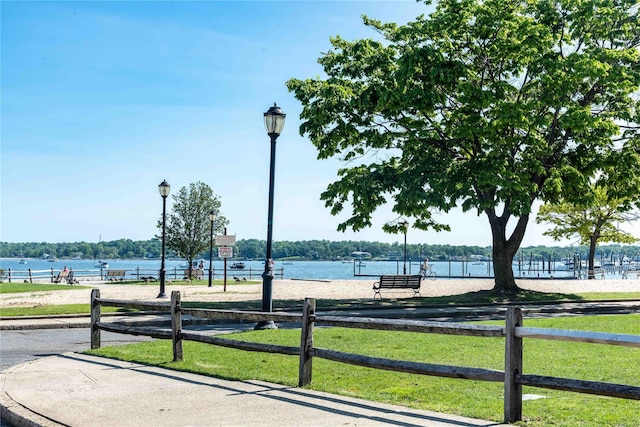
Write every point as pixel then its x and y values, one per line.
pixel 237 265
pixel 52 259
pixel 22 261
pixel 101 264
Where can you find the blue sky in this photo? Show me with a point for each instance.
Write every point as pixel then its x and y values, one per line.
pixel 101 101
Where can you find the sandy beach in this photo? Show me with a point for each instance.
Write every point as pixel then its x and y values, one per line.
pixel 298 290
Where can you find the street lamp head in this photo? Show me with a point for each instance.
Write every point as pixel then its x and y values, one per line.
pixel 274 120
pixel 212 216
pixel 404 223
pixel 164 188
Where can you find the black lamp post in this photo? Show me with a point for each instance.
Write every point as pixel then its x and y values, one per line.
pixel 274 122
pixel 405 225
pixel 164 188
pixel 212 217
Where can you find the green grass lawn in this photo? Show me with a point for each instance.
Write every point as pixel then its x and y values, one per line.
pixel 12 288
pixel 476 399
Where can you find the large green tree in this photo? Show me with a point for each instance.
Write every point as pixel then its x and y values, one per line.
pixel 484 104
pixel 188 227
pixel 594 214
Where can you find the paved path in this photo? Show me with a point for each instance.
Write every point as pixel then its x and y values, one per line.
pixel 79 390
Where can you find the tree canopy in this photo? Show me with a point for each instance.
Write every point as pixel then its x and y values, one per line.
pixel 594 215
pixel 188 226
pixel 485 105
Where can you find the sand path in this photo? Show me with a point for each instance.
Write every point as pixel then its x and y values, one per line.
pixel 298 290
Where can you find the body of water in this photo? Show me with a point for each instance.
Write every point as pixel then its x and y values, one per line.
pixel 315 270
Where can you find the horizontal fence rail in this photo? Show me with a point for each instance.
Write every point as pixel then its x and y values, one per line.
pixel 479 374
pixel 513 332
pixel 579 336
pixel 428 327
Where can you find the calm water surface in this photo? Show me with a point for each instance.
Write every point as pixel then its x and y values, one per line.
pixel 316 270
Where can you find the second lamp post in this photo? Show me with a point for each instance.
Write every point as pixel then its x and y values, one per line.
pixel 405 225
pixel 212 217
pixel 273 122
pixel 164 188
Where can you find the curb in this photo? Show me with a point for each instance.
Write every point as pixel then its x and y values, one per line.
pixel 19 416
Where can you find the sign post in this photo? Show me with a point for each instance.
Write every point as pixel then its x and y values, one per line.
pixel 225 250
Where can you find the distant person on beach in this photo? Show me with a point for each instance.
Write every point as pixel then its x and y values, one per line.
pixel 201 265
pixel 65 269
pixel 425 265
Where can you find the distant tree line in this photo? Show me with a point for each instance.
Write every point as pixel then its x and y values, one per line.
pixel 305 249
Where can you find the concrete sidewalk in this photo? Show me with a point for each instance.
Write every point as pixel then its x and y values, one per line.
pixel 79 390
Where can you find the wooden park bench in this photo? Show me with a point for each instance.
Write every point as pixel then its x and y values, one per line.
pixel 627 274
pixel 115 274
pixel 196 273
pixel 62 276
pixel 397 282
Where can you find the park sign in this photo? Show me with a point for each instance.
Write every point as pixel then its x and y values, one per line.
pixel 225 252
pixel 225 240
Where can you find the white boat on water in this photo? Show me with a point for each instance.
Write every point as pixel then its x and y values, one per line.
pixel 101 264
pixel 237 265
pixel 22 261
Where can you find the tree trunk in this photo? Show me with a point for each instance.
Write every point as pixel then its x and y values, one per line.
pixel 504 250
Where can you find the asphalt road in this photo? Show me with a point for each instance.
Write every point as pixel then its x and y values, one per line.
pixel 20 346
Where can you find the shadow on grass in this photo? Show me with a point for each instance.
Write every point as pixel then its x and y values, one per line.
pixel 468 299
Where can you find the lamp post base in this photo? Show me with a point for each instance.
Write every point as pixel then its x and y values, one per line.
pixel 265 324
pixel 162 295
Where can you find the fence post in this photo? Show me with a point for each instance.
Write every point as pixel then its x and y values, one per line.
pixel 176 326
pixel 306 342
pixel 9 277
pixel 95 318
pixel 30 276
pixel 512 367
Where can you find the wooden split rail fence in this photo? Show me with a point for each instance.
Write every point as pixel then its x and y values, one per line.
pixel 512 376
